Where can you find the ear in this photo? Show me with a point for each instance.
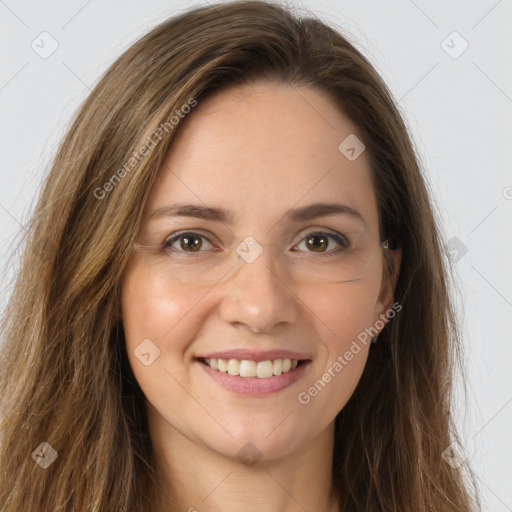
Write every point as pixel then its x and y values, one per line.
pixel 391 271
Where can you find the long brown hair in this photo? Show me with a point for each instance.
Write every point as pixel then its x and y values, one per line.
pixel 65 377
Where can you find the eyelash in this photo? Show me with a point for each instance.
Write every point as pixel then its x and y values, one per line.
pixel 337 237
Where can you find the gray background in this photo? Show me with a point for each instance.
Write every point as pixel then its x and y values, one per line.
pixel 458 109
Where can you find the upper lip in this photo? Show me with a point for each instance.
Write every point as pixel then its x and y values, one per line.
pixel 254 355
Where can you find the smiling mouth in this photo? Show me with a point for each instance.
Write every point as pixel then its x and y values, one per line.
pixel 247 368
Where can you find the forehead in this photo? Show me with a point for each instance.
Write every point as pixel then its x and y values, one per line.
pixel 261 150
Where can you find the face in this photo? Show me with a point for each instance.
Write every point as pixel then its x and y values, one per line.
pixel 259 152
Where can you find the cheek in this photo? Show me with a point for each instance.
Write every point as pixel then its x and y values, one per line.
pixel 151 311
pixel 343 311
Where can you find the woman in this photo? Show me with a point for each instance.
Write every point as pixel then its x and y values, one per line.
pixel 233 293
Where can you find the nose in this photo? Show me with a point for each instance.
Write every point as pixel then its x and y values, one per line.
pixel 258 297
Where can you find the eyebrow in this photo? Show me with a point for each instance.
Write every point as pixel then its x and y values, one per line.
pixel 227 217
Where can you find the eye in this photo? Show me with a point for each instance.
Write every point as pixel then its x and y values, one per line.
pixel 319 241
pixel 188 242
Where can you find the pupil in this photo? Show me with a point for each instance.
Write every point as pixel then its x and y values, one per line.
pixel 187 244
pixel 324 242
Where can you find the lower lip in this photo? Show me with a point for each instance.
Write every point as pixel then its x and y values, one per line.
pixel 254 385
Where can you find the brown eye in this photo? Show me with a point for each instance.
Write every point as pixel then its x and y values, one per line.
pixel 319 242
pixel 188 242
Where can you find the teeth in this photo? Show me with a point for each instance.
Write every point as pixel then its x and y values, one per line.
pixel 278 366
pixel 223 365
pixel 234 367
pixel 264 369
pixel 248 368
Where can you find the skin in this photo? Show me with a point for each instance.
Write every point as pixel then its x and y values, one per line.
pixel 242 149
